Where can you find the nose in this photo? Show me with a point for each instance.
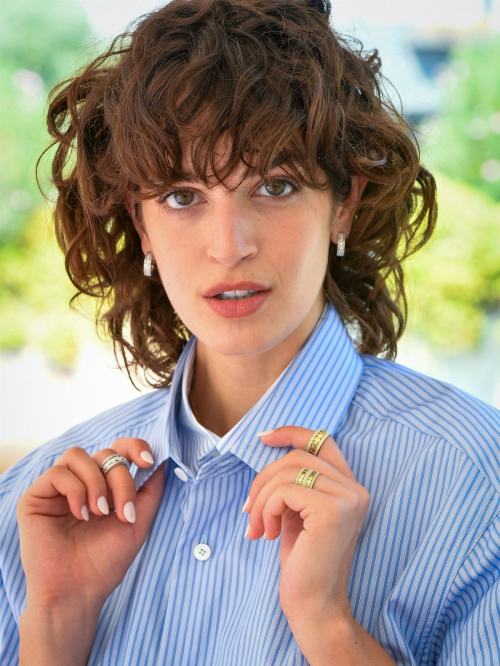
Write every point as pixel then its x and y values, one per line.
pixel 232 233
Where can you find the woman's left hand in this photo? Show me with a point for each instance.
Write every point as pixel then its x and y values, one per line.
pixel 319 526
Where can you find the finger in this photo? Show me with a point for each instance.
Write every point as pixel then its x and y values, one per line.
pixel 84 468
pixel 262 520
pixel 148 500
pixel 295 459
pixel 135 450
pixel 87 486
pixel 299 438
pixel 120 483
pixel 285 497
pixel 61 487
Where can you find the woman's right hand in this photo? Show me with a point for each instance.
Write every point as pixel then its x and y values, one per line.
pixel 67 559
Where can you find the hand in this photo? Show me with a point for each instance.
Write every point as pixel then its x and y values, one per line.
pixel 67 558
pixel 320 526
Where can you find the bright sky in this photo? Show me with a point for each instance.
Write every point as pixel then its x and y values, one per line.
pixel 111 16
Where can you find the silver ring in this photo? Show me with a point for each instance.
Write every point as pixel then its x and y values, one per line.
pixel 111 461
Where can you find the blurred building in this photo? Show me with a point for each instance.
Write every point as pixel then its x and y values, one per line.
pixel 415 59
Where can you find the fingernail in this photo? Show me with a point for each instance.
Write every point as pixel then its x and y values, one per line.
pixel 245 505
pixel 102 503
pixel 266 432
pixel 129 512
pixel 147 457
pixel 85 512
pixel 248 527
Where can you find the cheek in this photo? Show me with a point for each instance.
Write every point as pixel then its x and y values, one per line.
pixel 173 256
pixel 302 252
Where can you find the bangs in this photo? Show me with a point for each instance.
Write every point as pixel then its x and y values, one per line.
pixel 215 154
pixel 260 92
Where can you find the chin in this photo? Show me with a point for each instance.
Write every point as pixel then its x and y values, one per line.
pixel 237 344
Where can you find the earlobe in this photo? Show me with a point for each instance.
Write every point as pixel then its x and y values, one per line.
pixel 336 233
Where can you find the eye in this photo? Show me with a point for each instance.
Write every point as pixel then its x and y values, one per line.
pixel 184 197
pixel 274 187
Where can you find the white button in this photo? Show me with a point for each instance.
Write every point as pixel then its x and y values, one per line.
pixel 181 474
pixel 202 551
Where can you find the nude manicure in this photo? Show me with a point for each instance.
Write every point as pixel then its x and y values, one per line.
pixel 129 512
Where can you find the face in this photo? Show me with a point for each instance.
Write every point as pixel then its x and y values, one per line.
pixel 267 231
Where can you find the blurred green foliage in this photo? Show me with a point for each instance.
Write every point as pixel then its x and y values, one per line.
pixel 34 296
pixel 40 44
pixel 454 280
pixel 464 140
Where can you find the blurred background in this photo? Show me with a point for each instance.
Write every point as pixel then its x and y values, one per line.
pixel 442 59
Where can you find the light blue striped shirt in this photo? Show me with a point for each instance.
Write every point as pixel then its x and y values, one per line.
pixel 424 580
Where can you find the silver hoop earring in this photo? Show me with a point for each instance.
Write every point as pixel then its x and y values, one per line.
pixel 340 245
pixel 148 264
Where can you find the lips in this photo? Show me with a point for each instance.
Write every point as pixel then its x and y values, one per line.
pixel 231 309
pixel 245 285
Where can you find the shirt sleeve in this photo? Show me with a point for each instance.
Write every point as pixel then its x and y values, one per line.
pixel 13 483
pixel 9 631
pixel 469 628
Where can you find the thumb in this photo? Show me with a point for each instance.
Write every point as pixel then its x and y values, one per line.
pixel 147 501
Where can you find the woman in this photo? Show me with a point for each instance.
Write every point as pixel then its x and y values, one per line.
pixel 222 148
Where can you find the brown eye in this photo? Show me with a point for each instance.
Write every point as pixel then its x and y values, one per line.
pixel 184 197
pixel 276 186
pixel 181 197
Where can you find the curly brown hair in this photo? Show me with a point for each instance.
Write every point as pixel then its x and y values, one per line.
pixel 255 65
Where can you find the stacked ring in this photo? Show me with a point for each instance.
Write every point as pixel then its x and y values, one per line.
pixel 306 477
pixel 111 461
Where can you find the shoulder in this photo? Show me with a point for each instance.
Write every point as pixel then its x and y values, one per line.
pixel 391 391
pixel 133 418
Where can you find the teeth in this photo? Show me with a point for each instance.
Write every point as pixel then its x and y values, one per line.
pixel 235 295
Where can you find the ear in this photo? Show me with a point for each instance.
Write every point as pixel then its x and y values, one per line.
pixel 345 212
pixel 139 227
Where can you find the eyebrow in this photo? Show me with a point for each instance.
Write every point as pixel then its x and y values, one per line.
pixel 189 178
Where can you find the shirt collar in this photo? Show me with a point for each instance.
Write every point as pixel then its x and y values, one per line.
pixel 313 391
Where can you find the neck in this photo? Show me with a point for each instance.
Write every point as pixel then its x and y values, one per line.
pixel 225 388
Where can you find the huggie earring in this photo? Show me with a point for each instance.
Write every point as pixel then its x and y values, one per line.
pixel 148 264
pixel 340 245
